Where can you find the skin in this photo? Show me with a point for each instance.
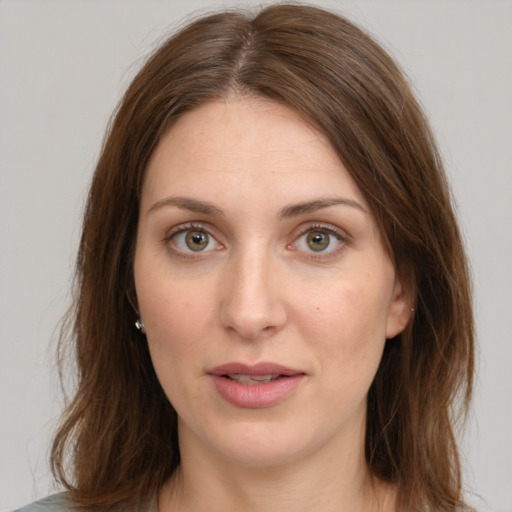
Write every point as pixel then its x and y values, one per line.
pixel 259 291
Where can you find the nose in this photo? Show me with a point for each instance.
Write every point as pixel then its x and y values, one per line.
pixel 252 304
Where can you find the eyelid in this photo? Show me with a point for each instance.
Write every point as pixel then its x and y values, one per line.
pixel 341 235
pixel 187 226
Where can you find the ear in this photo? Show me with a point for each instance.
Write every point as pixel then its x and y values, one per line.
pixel 400 309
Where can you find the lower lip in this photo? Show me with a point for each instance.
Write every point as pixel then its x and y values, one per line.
pixel 259 395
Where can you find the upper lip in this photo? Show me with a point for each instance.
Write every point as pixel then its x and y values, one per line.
pixel 263 368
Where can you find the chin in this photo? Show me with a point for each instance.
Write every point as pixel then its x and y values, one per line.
pixel 260 444
pixel 261 455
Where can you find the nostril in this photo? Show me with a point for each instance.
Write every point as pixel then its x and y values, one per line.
pixel 252 306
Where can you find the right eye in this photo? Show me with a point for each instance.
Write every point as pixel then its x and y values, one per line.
pixel 193 240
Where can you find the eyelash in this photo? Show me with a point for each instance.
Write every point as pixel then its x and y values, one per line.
pixel 328 229
pixel 183 228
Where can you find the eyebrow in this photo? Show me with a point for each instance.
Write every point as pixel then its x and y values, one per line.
pixel 317 204
pixel 187 203
pixel 293 210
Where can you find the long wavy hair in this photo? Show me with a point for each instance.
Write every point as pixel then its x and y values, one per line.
pixel 117 442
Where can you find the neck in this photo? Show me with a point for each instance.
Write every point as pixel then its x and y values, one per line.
pixel 320 481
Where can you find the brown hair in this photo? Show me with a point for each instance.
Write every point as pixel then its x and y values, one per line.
pixel 119 431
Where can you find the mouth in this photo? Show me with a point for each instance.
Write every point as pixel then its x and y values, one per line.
pixel 253 380
pixel 250 375
pixel 255 386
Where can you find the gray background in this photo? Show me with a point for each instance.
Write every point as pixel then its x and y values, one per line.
pixel 63 66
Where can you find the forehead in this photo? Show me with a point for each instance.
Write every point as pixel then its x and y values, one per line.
pixel 244 145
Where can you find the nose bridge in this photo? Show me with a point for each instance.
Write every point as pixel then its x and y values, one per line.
pixel 252 303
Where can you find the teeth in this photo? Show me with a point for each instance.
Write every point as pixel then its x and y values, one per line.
pixel 251 380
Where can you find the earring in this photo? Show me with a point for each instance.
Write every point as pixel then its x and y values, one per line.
pixel 412 310
pixel 140 326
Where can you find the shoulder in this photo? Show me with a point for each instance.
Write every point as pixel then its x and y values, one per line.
pixel 62 503
pixel 54 503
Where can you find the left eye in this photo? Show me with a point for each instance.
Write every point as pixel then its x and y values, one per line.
pixel 194 240
pixel 319 241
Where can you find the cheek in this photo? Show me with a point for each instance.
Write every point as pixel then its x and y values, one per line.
pixel 176 319
pixel 348 307
pixel 177 326
pixel 348 325
pixel 176 311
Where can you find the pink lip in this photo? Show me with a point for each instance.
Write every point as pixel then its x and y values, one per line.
pixel 255 396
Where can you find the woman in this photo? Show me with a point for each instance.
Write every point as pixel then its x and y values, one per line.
pixel 273 306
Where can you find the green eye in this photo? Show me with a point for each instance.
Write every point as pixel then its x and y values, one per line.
pixel 191 239
pixel 196 240
pixel 318 241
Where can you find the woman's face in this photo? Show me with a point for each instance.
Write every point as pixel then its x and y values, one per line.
pixel 263 285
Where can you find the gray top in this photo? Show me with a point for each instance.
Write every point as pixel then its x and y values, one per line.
pixel 55 503
pixel 60 503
